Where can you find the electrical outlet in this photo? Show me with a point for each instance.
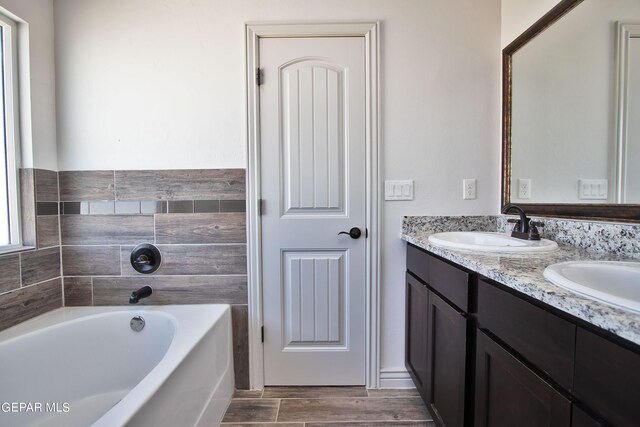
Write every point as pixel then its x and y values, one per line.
pixel 469 189
pixel 524 188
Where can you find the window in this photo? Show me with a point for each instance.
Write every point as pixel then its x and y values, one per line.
pixel 9 133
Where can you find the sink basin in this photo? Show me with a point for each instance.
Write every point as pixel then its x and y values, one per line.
pixel 490 242
pixel 614 282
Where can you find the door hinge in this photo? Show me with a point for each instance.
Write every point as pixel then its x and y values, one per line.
pixel 262 333
pixel 259 78
pixel 260 207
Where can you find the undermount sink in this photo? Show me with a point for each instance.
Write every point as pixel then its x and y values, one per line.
pixel 490 242
pixel 614 282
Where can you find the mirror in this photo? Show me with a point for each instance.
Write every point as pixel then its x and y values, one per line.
pixel 571 112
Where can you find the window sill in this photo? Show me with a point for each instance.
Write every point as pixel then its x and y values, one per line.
pixel 11 249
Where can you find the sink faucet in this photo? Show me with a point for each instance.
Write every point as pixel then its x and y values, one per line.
pixel 525 228
pixel 523 224
pixel 141 293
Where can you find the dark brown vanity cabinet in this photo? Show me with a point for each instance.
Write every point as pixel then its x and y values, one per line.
pixel 484 355
pixel 437 335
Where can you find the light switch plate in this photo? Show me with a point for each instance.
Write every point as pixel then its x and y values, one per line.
pixel 593 189
pixel 469 189
pixel 398 190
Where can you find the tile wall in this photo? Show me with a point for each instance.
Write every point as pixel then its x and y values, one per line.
pixel 30 281
pixel 195 217
pixel 84 224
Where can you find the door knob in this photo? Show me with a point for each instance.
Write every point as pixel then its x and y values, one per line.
pixel 354 233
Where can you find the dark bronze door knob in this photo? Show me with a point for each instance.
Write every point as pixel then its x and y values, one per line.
pixel 354 233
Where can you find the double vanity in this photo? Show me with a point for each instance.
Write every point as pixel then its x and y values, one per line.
pixel 503 331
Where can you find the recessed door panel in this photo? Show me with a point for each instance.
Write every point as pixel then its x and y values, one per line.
pixel 312 144
pixel 314 294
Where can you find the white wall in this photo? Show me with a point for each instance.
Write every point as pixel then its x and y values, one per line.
pixel 38 132
pixel 518 15
pixel 160 84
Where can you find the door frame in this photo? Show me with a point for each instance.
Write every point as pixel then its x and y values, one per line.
pixel 253 33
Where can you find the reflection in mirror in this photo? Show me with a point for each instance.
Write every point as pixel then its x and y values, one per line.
pixel 575 109
pixel 628 116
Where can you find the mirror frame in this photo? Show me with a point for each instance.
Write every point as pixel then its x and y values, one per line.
pixel 606 212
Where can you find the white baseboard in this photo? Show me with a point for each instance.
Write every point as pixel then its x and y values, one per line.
pixel 395 378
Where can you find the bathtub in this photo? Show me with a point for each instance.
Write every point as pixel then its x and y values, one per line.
pixel 86 366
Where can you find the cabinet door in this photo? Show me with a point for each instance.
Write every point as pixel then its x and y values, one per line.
pixel 509 394
pixel 417 298
pixel 446 353
pixel 582 419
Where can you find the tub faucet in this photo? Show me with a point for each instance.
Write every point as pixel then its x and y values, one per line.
pixel 141 293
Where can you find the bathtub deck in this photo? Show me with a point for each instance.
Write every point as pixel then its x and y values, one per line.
pixel 327 407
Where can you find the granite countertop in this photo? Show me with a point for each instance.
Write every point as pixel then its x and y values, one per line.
pixel 524 273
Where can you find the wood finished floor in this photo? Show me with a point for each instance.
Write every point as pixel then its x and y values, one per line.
pixel 327 407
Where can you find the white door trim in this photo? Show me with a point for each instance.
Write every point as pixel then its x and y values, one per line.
pixel 370 31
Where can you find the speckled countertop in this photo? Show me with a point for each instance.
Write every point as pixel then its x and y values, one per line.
pixel 524 273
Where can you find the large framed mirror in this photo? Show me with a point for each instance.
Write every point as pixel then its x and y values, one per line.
pixel 571 113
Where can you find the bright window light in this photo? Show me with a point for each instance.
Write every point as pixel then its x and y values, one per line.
pixel 9 160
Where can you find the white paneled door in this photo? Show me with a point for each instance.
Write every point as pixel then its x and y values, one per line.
pixel 312 130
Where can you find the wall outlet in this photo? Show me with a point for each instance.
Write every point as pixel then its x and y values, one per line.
pixel 524 188
pixel 469 189
pixel 398 190
pixel 592 189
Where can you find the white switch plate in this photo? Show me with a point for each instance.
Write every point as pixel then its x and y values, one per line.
pixel 524 188
pixel 469 189
pixel 592 189
pixel 398 190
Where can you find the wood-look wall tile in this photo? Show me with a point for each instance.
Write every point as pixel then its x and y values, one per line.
pixel 172 289
pixel 201 228
pixel 28 207
pixel 91 260
pixel 194 260
pixel 25 303
pixel 106 229
pixel 353 409
pixel 48 229
pixel 77 291
pixel 9 272
pixel 86 185
pixel 185 184
pixel 251 411
pixel 240 326
pixel 46 185
pixel 41 265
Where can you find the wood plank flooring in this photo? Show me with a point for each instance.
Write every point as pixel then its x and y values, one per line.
pixel 327 407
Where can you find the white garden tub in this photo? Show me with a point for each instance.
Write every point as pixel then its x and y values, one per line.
pixel 85 366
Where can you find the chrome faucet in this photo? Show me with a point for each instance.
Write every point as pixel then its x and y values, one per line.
pixel 143 292
pixel 524 228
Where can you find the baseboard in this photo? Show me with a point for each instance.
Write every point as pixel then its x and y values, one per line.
pixel 395 378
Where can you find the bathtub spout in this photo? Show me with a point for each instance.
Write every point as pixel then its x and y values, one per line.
pixel 141 293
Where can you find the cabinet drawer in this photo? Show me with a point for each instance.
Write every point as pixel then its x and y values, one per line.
pixel 448 280
pixel 418 263
pixel 545 340
pixel 607 379
pixel 508 394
